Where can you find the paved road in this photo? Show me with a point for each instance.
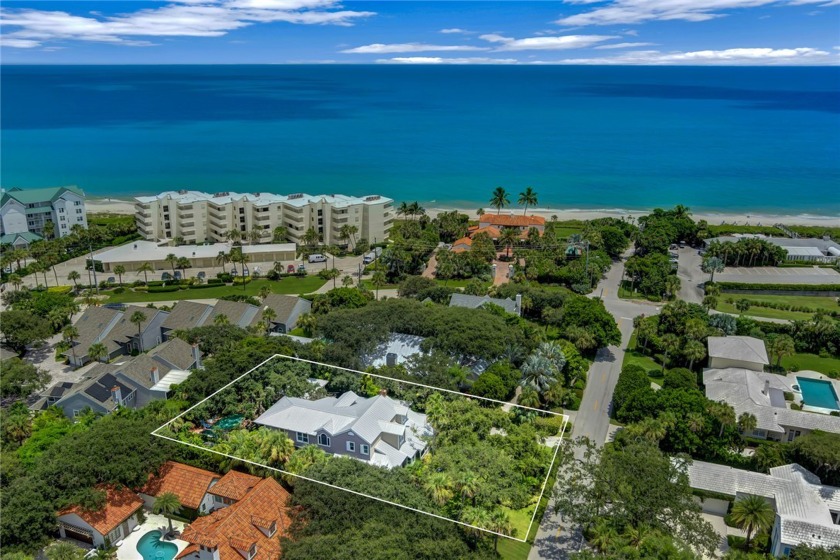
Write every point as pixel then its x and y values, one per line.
pixel 691 276
pixel 553 541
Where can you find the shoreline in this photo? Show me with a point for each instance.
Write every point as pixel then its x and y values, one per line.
pixel 122 206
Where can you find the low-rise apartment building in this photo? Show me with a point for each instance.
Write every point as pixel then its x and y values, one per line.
pixel 27 212
pixel 199 217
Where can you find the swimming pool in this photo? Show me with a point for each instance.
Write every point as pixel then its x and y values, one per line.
pixel 151 547
pixel 816 392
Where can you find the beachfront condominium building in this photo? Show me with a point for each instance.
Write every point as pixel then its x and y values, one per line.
pixel 198 217
pixel 26 214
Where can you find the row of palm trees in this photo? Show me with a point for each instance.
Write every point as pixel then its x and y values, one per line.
pixel 412 209
pixel 256 235
pixel 500 199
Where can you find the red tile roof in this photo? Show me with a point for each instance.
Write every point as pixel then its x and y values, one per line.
pixel 120 504
pixel 234 526
pixel 234 485
pixel 511 220
pixel 188 483
pixel 491 231
pixel 463 241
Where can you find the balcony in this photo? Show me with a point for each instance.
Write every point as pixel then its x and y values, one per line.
pixel 185 216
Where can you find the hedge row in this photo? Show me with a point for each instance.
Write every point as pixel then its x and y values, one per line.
pixel 724 286
pixel 161 289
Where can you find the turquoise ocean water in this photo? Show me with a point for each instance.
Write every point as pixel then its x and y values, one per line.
pixel 725 139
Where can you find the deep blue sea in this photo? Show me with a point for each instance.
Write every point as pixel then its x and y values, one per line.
pixel 725 139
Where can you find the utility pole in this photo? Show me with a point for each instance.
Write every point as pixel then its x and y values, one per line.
pixel 93 265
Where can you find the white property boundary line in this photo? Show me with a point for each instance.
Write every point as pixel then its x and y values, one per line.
pixel 264 362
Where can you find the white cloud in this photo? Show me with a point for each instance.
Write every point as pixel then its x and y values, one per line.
pixel 187 18
pixel 440 60
pixel 624 45
pixel 380 48
pixel 456 30
pixel 727 57
pixel 545 43
pixel 637 11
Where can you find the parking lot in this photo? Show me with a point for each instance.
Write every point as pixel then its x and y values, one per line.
pixel 773 275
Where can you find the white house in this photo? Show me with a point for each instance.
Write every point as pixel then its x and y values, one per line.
pixel 29 211
pixel 737 352
pixel 109 525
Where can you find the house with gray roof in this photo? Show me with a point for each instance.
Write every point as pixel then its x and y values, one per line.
pixel 114 329
pixel 237 313
pixel 807 512
pixel 763 395
pixel 379 430
pixel 132 383
pixel 475 302
pixel 287 310
pixel 185 315
pixel 737 352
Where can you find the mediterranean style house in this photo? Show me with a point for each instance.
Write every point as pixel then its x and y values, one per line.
pixel 378 430
pixel 24 214
pixel 200 217
pixel 108 526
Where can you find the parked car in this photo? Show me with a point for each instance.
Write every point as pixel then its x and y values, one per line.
pixel 301 269
pixel 233 271
pixel 201 275
pixel 682 244
pixel 177 275
pixel 291 269
pixel 317 258
pixel 166 276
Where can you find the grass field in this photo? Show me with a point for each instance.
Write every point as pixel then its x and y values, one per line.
pixel 625 293
pixel 305 285
pixel 814 302
pixel 632 356
pixel 811 362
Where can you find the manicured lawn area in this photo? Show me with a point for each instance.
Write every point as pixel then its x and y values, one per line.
pixel 520 519
pixel 625 293
pixel 811 362
pixel 459 283
pixel 814 302
pixel 513 550
pixel 632 356
pixel 304 285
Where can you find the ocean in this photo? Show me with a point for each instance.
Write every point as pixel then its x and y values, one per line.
pixel 727 139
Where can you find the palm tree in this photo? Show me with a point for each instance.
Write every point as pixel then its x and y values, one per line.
pixel 234 235
pixel 712 265
pixel 416 210
pixel 681 211
pixel 743 305
pixel 221 320
pixel 173 261
pixel 347 281
pixel 782 346
pixel 146 268
pixel 672 286
pixel 311 237
pixel 529 397
pixel 279 234
pixel 479 212
pixel 752 513
pixel 747 422
pixel 695 422
pixel 268 314
pixel 723 413
pixel 221 259
pixel 98 352
pixel 119 270
pixel 694 350
pixel 137 318
pixel 273 445
pixel 500 523
pixel 604 535
pixel 378 279
pixel 670 344
pixel 35 268
pixel 307 322
pixel 538 372
pixel 167 504
pixel 16 281
pixel 402 209
pixel 499 199
pixel 528 197
pixel 184 263
pixel 264 292
pixel 468 486
pixel 556 394
pixel 439 487
pixel 508 239
pixel 255 234
pixel 63 550
pixel 70 334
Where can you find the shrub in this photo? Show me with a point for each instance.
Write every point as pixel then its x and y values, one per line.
pixel 202 286
pixel 215 281
pixel 225 277
pixel 725 286
pixel 60 289
pixel 157 283
pixel 239 280
pixel 119 290
pixel 161 289
pixel 549 425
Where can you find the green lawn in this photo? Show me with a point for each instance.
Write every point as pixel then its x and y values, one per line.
pixel 811 362
pixel 625 293
pixel 305 285
pixel 460 283
pixel 814 302
pixel 632 356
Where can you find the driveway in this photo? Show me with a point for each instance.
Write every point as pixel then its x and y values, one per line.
pixel 691 276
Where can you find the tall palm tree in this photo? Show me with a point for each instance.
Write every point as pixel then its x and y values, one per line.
pixel 63 550
pixel 268 314
pixel 378 279
pixel 146 268
pixel 234 235
pixel 137 318
pixel 528 198
pixel 499 199
pixel 439 487
pixel 681 211
pixel 279 234
pixel 670 344
pixel 529 397
pixel 695 422
pixel 747 422
pixel 222 258
pixel 307 322
pixel 712 265
pixel 16 281
pixel 119 270
pixel 752 513
pixel 264 292
pixel 694 350
pixel 167 504
pixel 311 237
pixel 274 447
pixel 70 334
pixel 604 535
pixel 98 352
pixel 173 261
pixel 255 235
pixel 500 524
pixel 508 239
pixel 184 263
pixel 468 486
pixel 723 413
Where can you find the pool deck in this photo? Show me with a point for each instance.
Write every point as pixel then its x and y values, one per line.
pixel 127 548
pixel 812 375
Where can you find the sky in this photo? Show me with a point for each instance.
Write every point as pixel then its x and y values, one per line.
pixel 623 32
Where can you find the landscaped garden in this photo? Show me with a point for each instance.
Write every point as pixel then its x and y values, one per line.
pixel 290 285
pixel 788 307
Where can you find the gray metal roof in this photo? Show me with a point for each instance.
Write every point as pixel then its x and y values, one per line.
pixel 744 348
pixel 187 315
pixel 474 302
pixel 283 307
pixel 238 313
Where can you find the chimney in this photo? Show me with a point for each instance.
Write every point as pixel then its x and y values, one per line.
pixel 116 394
pixel 383 392
pixel 196 356
pixel 519 304
pixel 766 387
pixel 155 375
pixel 390 359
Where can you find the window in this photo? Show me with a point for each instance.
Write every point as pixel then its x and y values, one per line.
pixel 217 499
pixel 61 210
pixel 252 552
pixel 302 438
pixel 324 440
pixel 272 529
pixel 351 446
pixel 61 218
pixel 76 413
pixel 115 535
pixel 365 449
pixel 77 203
pixel 78 210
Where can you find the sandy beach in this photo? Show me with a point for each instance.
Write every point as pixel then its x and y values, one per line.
pixel 123 206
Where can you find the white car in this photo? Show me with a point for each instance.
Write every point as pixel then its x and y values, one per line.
pixel 317 258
